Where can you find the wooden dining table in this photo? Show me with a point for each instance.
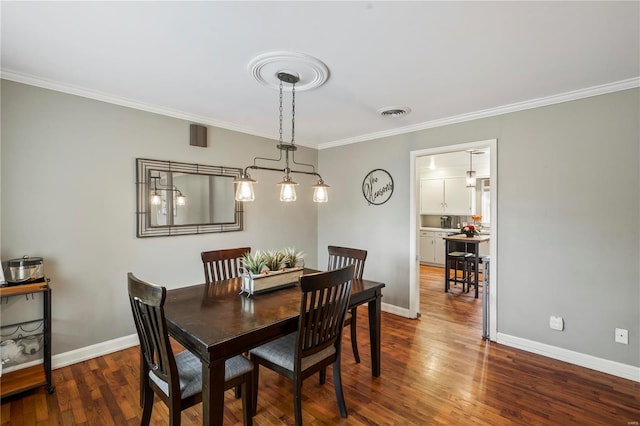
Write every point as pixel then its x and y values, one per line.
pixel 216 322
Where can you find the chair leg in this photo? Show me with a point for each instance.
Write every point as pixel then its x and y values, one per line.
pixel 323 376
pixel 337 382
pixel 253 406
pixel 354 341
pixel 147 403
pixel 175 412
pixel 247 400
pixel 238 391
pixel 297 400
pixel 143 371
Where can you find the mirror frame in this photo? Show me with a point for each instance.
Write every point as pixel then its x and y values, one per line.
pixel 144 166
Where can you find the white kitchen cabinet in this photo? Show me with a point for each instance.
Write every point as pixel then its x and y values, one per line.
pixel 432 247
pixel 438 244
pixel 426 246
pixel 445 196
pixel 431 196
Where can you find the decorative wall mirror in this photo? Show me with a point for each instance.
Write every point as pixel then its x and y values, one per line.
pixel 184 198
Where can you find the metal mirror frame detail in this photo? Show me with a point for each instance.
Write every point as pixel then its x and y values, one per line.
pixel 144 167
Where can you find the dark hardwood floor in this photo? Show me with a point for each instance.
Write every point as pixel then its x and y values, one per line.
pixel 435 370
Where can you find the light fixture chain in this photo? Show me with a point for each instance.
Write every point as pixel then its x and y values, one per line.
pixel 293 114
pixel 280 129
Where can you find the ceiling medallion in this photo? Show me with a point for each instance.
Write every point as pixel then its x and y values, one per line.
pixel 310 71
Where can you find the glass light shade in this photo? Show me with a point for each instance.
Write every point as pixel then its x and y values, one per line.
pixel 287 190
pixel 181 200
pixel 156 199
pixel 244 191
pixel 320 192
pixel 471 179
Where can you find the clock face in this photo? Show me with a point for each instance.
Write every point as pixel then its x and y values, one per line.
pixel 377 187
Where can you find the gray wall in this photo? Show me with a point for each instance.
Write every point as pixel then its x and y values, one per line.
pixel 568 218
pixel 569 173
pixel 68 195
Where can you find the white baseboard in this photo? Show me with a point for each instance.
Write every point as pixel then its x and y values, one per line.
pixel 599 364
pixel 588 361
pixel 93 351
pixel 103 348
pixel 392 309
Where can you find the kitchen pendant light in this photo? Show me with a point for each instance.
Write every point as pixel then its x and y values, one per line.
pixel 244 190
pixel 471 174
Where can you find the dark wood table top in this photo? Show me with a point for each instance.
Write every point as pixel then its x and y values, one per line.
pixel 216 322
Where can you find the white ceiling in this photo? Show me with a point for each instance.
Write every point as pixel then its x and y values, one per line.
pixel 447 61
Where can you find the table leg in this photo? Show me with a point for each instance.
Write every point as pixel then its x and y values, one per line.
pixel 213 393
pixel 375 308
pixel 446 266
pixel 477 266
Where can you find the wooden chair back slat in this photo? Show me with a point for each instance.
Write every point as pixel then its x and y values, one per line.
pixel 325 297
pixel 223 264
pixel 339 257
pixel 147 305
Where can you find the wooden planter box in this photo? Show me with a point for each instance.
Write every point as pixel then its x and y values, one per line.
pixel 252 284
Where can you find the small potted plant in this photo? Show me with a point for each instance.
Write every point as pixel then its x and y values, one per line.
pixel 293 258
pixel 254 264
pixel 275 260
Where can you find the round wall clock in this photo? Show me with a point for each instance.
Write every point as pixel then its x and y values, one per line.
pixel 377 187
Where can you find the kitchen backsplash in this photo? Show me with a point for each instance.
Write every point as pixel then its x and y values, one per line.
pixel 433 221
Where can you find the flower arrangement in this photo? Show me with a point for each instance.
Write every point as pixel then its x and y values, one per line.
pixel 469 230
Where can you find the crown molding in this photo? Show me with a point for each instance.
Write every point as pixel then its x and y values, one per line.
pixel 617 86
pixel 129 103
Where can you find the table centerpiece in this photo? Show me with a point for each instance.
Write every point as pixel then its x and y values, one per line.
pixel 271 269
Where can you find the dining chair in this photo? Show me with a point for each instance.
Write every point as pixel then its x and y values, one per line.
pixel 316 344
pixel 223 264
pixel 177 380
pixel 338 258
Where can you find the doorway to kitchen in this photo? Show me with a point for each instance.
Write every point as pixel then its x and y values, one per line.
pixel 443 212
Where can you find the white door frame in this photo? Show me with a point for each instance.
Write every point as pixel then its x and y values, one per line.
pixel 414 220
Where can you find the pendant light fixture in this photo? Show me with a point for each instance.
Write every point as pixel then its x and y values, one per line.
pixel 471 174
pixel 244 190
pixel 156 198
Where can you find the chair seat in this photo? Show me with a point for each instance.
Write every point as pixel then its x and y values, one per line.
pixel 282 352
pixel 459 254
pixel 190 373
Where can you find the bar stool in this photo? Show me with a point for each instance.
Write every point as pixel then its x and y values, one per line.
pixel 461 263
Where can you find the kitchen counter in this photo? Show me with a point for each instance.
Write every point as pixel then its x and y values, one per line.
pixel 451 230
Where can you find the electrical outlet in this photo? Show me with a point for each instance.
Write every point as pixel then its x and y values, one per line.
pixel 622 336
pixel 556 323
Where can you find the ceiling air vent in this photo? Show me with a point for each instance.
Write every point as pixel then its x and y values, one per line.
pixel 394 111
